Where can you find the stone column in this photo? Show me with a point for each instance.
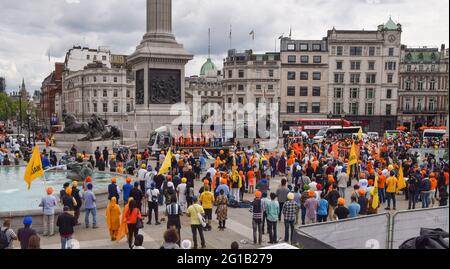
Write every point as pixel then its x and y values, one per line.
pixel 159 16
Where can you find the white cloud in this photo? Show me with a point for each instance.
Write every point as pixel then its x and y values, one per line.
pixel 28 29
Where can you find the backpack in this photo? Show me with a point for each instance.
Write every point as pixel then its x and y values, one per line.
pixel 4 242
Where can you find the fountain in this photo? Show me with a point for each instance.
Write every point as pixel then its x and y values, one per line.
pixel 16 201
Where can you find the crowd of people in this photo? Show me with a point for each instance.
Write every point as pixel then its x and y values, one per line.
pixel 315 182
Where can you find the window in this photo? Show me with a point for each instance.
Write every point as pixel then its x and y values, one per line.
pixel 392 66
pixel 128 94
pixel 270 73
pixel 291 47
pixel 408 85
pixel 433 68
pixel 291 91
pixel 230 73
pixel 407 104
pixel 95 79
pixel 339 65
pixel 95 57
pixel 355 65
pixel 371 65
pixel 420 85
pixel 337 93
pixel 303 108
pixel 408 68
pixel 95 108
pixel 390 78
pixel 95 93
pixel 304 59
pixel 291 75
pixel 317 59
pixel 105 107
pixel 420 67
pixel 304 47
pixel 116 107
pixel 230 101
pixel 316 91
pixel 317 47
pixel 388 109
pixel 128 108
pixel 88 57
pixel 103 58
pixel 115 79
pixel 105 93
pixel 371 52
pixel 303 91
pixel 432 85
pixel 303 75
pixel 241 87
pixel 292 59
pixel 371 78
pixel 317 76
pixel 270 87
pixel 369 109
pixel 105 79
pixel 241 100
pixel 290 108
pixel 370 93
pixel 258 87
pixel 115 93
pixel 354 93
pixel 355 51
pixel 354 108
pixel 389 94
pixel 230 88
pixel 241 73
pixel 391 51
pixel 337 108
pixel 355 78
pixel 316 108
pixel 419 104
pixel 339 78
pixel 340 50
pixel 431 105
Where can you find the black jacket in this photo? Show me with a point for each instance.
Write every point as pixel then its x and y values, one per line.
pixel 112 192
pixel 67 200
pixel 66 222
pixel 137 195
pixel 76 195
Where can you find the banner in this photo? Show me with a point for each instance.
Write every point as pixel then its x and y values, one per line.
pixel 34 168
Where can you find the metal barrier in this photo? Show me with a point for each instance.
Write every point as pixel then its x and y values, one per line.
pixel 407 224
pixel 368 232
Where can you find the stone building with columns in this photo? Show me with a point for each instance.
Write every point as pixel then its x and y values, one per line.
pixel 423 93
pixel 364 77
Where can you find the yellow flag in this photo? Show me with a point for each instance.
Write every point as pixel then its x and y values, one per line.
pixel 353 159
pixel 34 167
pixel 401 179
pixel 360 134
pixel 376 198
pixel 167 164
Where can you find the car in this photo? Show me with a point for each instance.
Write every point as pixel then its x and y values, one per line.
pixel 373 135
pixel 394 134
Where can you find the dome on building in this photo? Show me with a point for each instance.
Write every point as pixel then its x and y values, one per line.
pixel 391 25
pixel 208 69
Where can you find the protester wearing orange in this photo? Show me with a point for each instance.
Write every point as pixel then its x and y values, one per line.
pixel 391 190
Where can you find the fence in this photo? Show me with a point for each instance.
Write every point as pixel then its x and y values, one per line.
pixel 407 224
pixel 358 233
pixel 383 231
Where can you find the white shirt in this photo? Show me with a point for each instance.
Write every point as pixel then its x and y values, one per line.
pixel 141 174
pixel 148 179
pixel 313 186
pixel 150 193
pixel 212 172
pixel 363 183
pixel 181 189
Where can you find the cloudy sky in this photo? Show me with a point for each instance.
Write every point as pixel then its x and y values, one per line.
pixel 30 28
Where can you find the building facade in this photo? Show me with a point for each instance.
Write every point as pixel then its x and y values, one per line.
pixel 79 57
pixel 106 92
pixel 250 78
pixel 364 76
pixel 51 87
pixel 423 93
pixel 304 80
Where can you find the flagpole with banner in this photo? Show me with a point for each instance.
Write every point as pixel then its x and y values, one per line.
pixel 34 168
pixel 167 164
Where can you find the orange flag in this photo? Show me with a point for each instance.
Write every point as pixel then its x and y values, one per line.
pixel 335 149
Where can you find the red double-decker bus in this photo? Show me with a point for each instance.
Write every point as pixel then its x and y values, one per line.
pixel 312 126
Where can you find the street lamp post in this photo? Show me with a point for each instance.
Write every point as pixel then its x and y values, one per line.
pixel 29 120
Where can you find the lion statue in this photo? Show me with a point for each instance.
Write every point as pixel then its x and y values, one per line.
pixel 74 127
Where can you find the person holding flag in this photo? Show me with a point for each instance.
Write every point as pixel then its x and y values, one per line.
pixel 167 164
pixel 34 168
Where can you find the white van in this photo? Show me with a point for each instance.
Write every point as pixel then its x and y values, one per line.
pixel 433 133
pixel 345 132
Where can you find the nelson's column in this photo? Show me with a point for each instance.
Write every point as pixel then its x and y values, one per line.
pixel 158 67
